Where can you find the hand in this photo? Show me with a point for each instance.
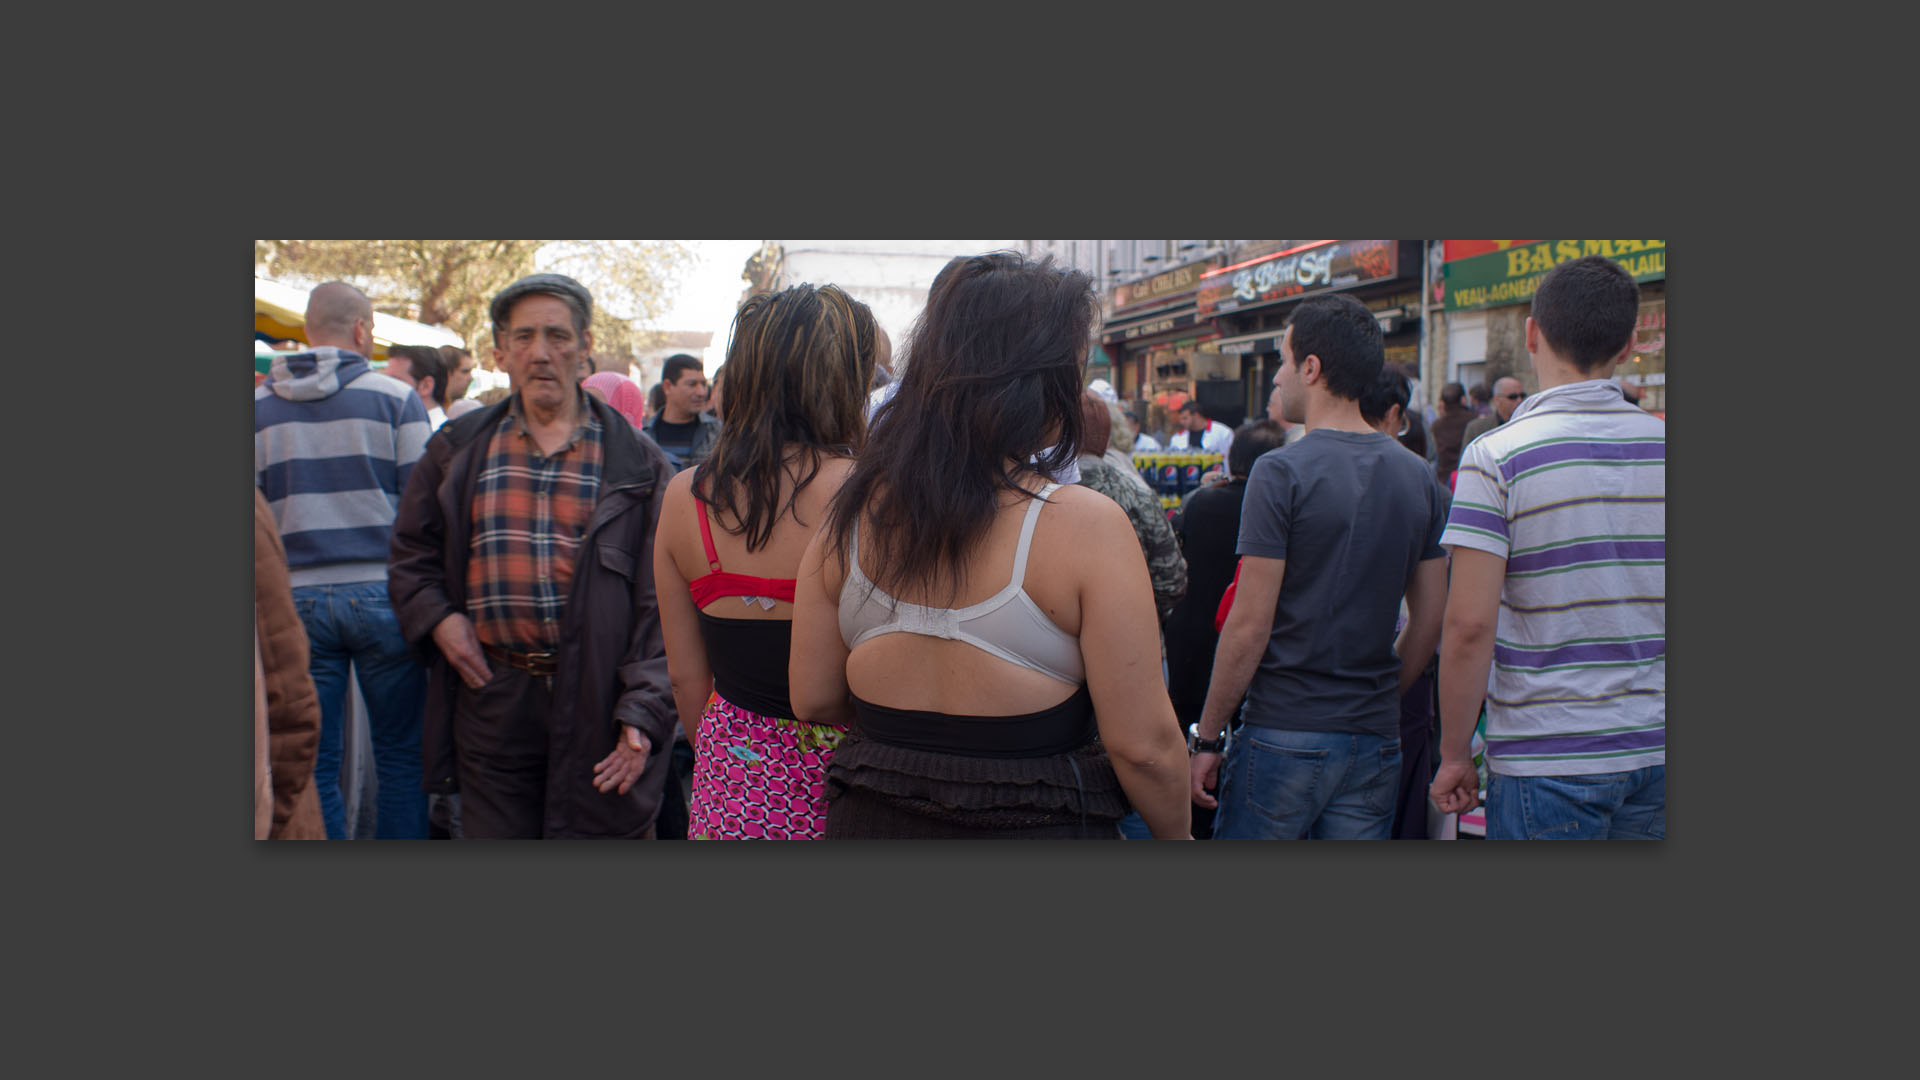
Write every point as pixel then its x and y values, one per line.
pixel 1204 769
pixel 621 768
pixel 1456 787
pixel 1215 475
pixel 461 646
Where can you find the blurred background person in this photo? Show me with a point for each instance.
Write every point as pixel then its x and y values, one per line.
pixel 1480 399
pixel 460 365
pixel 1448 431
pixel 679 426
pixel 618 391
pixel 1507 395
pixel 1208 529
pixel 732 531
pixel 1166 570
pixel 422 368
pixel 1137 437
pixel 993 632
pixel 1118 455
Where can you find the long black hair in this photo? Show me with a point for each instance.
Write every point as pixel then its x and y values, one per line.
pixel 994 367
pixel 797 373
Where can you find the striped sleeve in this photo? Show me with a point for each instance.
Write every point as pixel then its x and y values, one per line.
pixel 410 437
pixel 1478 518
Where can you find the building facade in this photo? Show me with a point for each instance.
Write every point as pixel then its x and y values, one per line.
pixel 889 276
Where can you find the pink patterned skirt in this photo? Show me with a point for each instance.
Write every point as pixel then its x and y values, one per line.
pixel 759 777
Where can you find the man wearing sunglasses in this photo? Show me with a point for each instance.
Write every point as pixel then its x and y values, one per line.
pixel 1507 396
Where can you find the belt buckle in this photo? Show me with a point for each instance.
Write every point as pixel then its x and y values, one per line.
pixel 539 663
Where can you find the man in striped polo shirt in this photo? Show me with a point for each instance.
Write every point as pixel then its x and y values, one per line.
pixel 333 444
pixel 1558 533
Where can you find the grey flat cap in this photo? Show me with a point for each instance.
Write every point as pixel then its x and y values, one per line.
pixel 572 292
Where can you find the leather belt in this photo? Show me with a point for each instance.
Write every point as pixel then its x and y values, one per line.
pixel 540 663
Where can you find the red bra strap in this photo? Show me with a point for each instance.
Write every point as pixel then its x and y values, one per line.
pixel 706 538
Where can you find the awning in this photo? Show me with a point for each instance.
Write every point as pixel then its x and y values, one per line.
pixel 280 311
pixel 1391 321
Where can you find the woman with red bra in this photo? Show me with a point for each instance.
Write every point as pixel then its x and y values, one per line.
pixel 729 543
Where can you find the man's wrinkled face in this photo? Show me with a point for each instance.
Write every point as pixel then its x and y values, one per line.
pixel 688 393
pixel 541 351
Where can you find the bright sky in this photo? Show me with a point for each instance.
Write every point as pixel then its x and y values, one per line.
pixel 710 291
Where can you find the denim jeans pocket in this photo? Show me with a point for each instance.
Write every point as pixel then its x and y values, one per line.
pixel 1383 792
pixel 1283 781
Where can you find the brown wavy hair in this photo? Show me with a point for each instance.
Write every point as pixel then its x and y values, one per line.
pixel 797 374
pixel 993 371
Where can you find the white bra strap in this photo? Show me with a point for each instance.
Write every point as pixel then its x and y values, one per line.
pixel 1026 537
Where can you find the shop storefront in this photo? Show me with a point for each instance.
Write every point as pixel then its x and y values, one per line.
pixel 1247 302
pixel 1487 288
pixel 1158 345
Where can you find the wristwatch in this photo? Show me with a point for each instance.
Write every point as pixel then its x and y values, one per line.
pixel 1198 745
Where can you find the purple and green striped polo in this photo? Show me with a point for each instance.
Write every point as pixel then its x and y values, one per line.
pixel 1572 492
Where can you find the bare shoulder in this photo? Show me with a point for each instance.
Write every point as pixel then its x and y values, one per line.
pixel 1079 506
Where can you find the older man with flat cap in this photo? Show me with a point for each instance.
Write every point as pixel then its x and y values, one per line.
pixel 522 572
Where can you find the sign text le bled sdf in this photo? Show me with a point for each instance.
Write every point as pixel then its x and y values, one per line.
pixel 1306 268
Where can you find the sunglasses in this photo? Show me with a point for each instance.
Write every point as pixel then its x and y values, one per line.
pixel 1511 397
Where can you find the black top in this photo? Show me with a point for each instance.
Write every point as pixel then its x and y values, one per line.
pixel 749 662
pixel 1353 514
pixel 676 439
pixel 1064 727
pixel 1209 531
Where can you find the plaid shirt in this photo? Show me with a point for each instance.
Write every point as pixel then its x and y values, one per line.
pixel 530 512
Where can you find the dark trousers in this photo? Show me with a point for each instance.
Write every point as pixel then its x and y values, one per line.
pixel 500 740
pixel 500 754
pixel 1416 758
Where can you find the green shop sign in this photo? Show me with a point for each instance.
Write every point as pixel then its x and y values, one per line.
pixel 1510 276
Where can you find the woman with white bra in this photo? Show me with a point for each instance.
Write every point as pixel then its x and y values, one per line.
pixel 989 635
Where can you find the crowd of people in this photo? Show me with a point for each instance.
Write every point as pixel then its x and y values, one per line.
pixel 828 596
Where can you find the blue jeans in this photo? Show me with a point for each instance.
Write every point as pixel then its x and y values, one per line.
pixel 352 626
pixel 1598 806
pixel 1307 785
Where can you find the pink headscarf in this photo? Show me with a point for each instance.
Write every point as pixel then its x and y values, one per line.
pixel 625 397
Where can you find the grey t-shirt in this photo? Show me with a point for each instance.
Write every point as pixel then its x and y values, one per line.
pixel 1352 514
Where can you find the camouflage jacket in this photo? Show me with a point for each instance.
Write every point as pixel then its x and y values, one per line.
pixel 1165 565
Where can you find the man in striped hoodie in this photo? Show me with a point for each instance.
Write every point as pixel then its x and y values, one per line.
pixel 333 442
pixel 1558 532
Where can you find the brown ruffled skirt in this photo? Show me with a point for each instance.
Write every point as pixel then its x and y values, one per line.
pixel 884 792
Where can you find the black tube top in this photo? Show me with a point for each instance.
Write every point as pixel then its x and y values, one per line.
pixel 1066 726
pixel 749 662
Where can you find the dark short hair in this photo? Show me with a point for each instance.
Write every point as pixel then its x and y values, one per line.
pixel 424 361
pixel 563 288
pixel 1250 440
pixel 1452 393
pixel 1586 309
pixel 1388 390
pixel 677 364
pixel 1480 392
pixel 1345 336
pixel 657 398
pixel 1193 405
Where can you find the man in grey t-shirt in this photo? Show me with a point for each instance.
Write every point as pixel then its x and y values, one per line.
pixel 1335 530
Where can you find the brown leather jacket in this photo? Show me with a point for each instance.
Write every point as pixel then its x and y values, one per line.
pixel 612 664
pixel 293 708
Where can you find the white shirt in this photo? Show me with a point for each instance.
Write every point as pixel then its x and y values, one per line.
pixel 1146 444
pixel 435 417
pixel 1215 440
